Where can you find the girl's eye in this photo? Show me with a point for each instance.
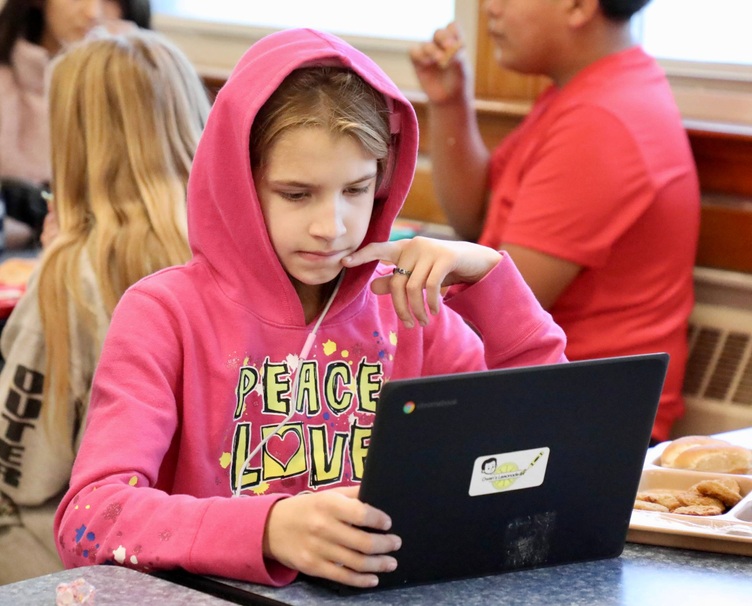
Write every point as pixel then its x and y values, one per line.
pixel 358 191
pixel 293 196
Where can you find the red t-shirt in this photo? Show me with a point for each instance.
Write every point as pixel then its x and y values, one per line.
pixel 601 174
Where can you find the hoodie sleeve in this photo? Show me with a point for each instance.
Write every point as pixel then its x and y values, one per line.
pixel 514 328
pixel 117 509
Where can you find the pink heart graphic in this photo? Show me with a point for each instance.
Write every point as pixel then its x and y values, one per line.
pixel 282 448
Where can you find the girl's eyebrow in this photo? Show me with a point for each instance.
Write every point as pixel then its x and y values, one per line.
pixel 294 183
pixel 367 177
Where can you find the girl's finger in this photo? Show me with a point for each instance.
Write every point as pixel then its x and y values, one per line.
pixel 414 290
pixel 399 299
pixel 342 574
pixel 433 289
pixel 363 563
pixel 388 252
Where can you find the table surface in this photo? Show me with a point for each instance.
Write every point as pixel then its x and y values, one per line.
pixel 641 576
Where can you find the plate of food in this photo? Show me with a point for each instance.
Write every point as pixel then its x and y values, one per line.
pixel 696 493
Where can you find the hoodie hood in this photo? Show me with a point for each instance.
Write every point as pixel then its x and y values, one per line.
pixel 225 224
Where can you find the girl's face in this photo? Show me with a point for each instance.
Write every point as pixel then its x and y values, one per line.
pixel 68 21
pixel 316 192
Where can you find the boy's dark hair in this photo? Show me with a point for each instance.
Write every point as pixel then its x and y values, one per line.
pixel 621 10
pixel 19 19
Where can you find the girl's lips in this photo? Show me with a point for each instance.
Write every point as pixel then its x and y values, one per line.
pixel 320 255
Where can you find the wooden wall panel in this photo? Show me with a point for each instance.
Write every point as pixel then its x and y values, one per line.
pixel 723 157
pixel 726 237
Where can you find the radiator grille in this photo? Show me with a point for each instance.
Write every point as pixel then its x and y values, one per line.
pixel 720 355
pixel 718 379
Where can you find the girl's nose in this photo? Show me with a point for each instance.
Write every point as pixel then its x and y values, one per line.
pixel 329 221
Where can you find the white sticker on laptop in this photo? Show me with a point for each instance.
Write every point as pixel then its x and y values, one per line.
pixel 508 471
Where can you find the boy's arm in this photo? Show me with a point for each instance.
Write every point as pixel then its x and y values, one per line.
pixel 459 156
pixel 459 166
pixel 547 275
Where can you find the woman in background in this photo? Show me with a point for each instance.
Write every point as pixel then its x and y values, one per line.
pixel 127 116
pixel 32 32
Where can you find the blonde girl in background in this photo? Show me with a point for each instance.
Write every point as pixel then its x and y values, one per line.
pixel 125 123
pixel 32 33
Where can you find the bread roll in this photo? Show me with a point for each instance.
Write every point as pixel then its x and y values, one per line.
pixel 678 446
pixel 715 457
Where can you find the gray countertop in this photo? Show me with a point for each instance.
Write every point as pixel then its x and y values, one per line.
pixel 641 576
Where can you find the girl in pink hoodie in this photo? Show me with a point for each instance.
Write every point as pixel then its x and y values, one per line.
pixel 232 406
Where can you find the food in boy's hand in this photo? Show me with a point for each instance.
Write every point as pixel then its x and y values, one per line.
pixel 449 54
pixel 705 498
pixel 703 453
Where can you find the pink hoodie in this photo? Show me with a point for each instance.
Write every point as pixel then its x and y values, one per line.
pixel 199 359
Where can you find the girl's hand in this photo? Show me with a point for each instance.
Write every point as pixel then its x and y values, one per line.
pixel 325 534
pixel 429 264
pixel 441 66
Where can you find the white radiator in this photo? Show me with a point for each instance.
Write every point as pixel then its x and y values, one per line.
pixel 718 382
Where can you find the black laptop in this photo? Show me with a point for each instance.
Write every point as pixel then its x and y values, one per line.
pixel 502 470
pixel 489 472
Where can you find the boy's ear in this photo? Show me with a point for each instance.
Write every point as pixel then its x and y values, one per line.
pixel 582 12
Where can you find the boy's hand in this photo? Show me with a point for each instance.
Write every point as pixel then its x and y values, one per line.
pixel 323 534
pixel 429 264
pixel 441 67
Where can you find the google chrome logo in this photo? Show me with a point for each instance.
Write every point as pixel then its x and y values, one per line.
pixel 408 407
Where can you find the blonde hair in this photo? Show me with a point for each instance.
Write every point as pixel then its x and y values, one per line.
pixel 125 118
pixel 334 98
